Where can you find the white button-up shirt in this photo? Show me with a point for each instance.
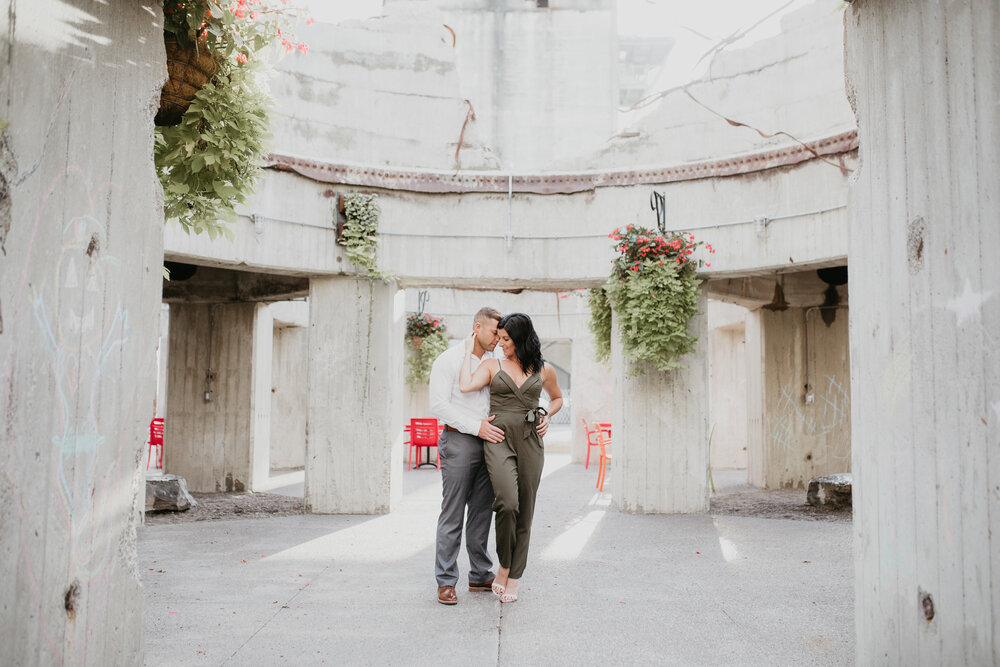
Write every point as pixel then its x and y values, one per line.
pixel 463 411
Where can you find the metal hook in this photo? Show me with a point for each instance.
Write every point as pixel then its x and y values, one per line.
pixel 423 296
pixel 658 203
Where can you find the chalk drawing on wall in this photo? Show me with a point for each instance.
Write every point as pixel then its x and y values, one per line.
pixel 83 327
pixel 830 413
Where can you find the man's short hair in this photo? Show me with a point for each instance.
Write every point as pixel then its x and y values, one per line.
pixel 487 313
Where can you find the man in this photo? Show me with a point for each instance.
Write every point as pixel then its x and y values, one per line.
pixel 465 481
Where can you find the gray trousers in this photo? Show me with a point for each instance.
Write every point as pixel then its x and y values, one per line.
pixel 465 482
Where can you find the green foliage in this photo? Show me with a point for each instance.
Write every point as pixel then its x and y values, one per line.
pixel 652 308
pixel 600 323
pixel 653 290
pixel 360 235
pixel 419 362
pixel 211 161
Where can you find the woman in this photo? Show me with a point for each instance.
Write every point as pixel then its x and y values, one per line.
pixel 515 463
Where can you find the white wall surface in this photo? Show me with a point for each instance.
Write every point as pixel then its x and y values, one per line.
pixel 925 312
pixel 288 397
pixel 80 257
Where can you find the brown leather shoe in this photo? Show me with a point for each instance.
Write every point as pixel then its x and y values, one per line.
pixel 480 587
pixel 446 595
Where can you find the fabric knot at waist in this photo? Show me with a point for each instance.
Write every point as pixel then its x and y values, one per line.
pixel 529 415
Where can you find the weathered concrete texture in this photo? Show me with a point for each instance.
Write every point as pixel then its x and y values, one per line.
pixel 660 432
pixel 355 422
pixel 384 91
pixel 803 436
pixel 543 82
pixel 727 385
pixel 213 443
pixel 557 242
pixel 833 490
pixel 288 396
pixel 80 230
pixel 925 314
pixel 168 493
pixel 749 85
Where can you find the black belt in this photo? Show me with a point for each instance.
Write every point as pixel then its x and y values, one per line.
pixel 451 428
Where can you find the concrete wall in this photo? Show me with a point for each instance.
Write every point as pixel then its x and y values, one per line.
pixel 803 440
pixel 355 396
pixel 749 85
pixel 543 80
pixel 924 320
pixel 80 239
pixel 727 385
pixel 289 370
pixel 660 431
pixel 383 91
pixel 214 444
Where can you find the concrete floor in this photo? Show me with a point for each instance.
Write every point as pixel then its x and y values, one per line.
pixel 601 587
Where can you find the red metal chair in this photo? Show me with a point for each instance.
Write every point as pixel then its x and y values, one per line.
pixel 155 440
pixel 423 433
pixel 592 436
pixel 604 442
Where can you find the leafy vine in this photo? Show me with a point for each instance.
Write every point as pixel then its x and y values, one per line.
pixel 653 290
pixel 360 235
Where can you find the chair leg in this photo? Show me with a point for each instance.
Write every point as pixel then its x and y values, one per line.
pixel 587 462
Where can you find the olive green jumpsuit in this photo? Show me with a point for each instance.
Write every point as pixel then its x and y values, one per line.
pixel 515 465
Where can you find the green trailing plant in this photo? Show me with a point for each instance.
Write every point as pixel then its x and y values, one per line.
pixel 653 290
pixel 600 323
pixel 210 162
pixel 420 358
pixel 425 340
pixel 360 234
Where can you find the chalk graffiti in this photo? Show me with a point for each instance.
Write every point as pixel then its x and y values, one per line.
pixel 830 414
pixel 83 328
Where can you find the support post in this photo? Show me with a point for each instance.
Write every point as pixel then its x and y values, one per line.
pixel 660 459
pixel 355 420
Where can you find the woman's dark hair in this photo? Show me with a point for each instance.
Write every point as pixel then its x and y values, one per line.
pixel 527 347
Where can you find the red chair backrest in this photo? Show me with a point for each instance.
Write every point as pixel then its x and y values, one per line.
pixel 424 432
pixel 156 431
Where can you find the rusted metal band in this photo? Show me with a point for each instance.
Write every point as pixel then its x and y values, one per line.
pixel 414 180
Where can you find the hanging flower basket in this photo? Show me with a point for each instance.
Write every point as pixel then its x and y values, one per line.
pixel 417 342
pixel 189 69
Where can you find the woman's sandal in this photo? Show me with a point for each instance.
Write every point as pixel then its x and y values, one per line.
pixel 508 597
pixel 498 589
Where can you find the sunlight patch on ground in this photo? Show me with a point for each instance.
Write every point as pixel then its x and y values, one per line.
pixel 385 539
pixel 570 544
pixel 726 546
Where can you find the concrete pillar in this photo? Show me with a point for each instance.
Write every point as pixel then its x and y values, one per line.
pixel 81 246
pixel 925 317
pixel 754 332
pixel 593 395
pixel 223 350
pixel 727 386
pixel 260 402
pixel 805 436
pixel 355 404
pixel 289 370
pixel 660 431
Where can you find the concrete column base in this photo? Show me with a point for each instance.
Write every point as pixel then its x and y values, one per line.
pixel 355 405
pixel 660 457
